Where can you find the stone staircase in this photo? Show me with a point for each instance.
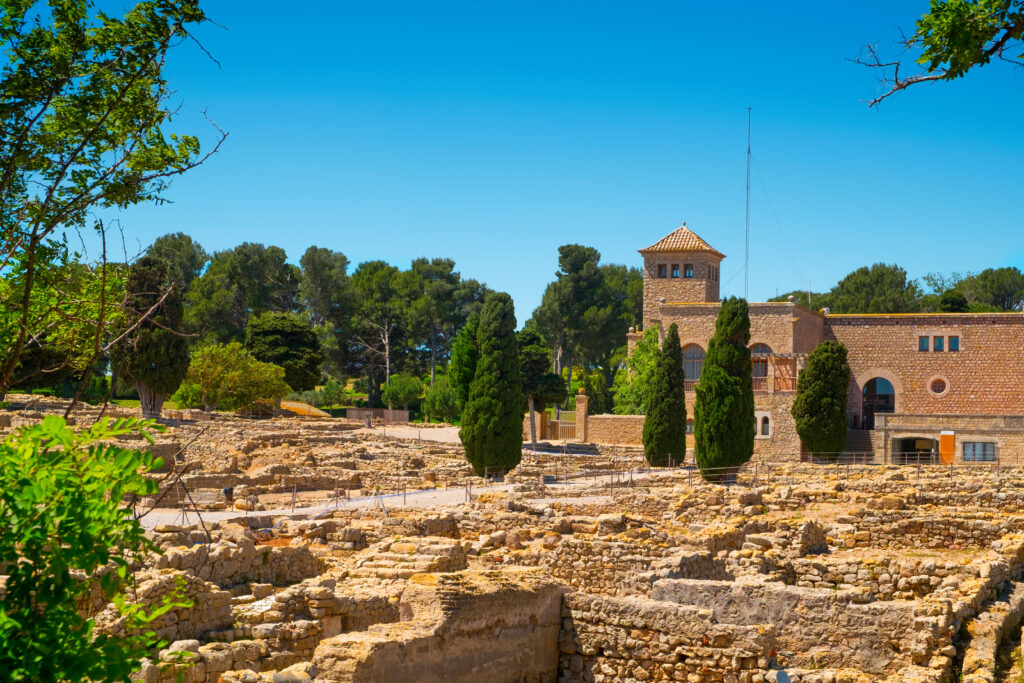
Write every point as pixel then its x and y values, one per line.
pixel 858 443
pixel 403 557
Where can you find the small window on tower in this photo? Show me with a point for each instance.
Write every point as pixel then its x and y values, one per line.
pixel 662 270
pixel 922 343
pixel 688 270
pixel 675 270
pixel 937 344
pixel 954 343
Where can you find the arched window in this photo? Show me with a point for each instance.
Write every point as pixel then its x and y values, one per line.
pixel 760 349
pixel 693 363
pixel 766 426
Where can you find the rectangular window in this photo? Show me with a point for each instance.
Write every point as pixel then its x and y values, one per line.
pixel 922 343
pixel 688 270
pixel 954 343
pixel 675 270
pixel 662 270
pixel 937 344
pixel 689 426
pixel 979 451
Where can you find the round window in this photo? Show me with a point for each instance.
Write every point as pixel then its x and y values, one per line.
pixel 938 386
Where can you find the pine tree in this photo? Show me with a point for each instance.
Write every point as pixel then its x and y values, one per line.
pixel 723 415
pixel 820 406
pixel 153 356
pixel 665 426
pixel 492 422
pixel 286 340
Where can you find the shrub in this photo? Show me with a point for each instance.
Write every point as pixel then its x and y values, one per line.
pixel 441 400
pixel 333 393
pixel 402 390
pixel 631 390
pixel 229 378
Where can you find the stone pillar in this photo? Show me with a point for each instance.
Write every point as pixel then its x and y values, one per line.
pixel 581 415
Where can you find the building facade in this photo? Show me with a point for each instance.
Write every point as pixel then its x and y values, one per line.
pixel 924 387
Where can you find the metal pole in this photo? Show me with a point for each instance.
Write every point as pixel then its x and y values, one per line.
pixel 746 250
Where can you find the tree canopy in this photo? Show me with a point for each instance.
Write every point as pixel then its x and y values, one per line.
pixel 153 353
pixel 288 342
pixel 951 39
pixel 85 120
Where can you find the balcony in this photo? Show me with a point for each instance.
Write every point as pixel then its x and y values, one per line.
pixel 785 383
pixel 760 384
pixel 689 384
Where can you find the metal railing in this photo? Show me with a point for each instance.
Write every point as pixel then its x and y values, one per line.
pixel 690 384
pixel 785 383
pixel 383 414
pixel 760 384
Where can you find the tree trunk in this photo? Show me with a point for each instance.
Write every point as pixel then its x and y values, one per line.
pixel 433 353
pixel 533 423
pixel 150 401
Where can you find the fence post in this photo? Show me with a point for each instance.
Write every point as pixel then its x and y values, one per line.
pixel 403 495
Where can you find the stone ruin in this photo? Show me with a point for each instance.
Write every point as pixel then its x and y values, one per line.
pixel 570 570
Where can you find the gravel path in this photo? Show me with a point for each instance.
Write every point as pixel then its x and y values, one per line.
pixel 452 497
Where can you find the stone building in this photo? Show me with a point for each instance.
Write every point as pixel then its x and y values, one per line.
pixel 928 387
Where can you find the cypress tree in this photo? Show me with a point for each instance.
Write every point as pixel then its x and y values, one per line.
pixel 723 415
pixel 492 422
pixel 820 406
pixel 153 356
pixel 665 425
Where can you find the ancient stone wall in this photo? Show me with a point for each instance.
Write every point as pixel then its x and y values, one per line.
pixel 825 625
pixel 502 626
pixel 229 564
pixel 616 639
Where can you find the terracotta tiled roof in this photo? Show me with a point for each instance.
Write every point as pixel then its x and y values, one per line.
pixel 681 239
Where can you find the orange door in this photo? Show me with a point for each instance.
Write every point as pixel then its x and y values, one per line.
pixel 947 448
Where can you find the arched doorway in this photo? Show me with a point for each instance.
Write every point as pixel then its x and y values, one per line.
pixel 878 397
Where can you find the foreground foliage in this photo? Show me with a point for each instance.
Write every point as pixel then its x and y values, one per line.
pixel 65 532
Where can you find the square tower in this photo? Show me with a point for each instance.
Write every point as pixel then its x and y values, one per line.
pixel 679 268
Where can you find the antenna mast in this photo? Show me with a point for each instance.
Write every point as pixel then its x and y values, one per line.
pixel 746 251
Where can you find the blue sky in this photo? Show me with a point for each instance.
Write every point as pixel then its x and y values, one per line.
pixel 494 132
